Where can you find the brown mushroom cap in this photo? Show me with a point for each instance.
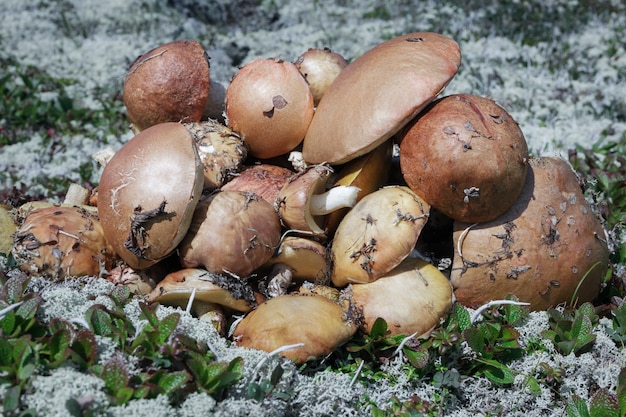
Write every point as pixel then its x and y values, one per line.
pixel 306 257
pixel 264 180
pixel 148 192
pixel 411 298
pixel 270 105
pixel 377 94
pixel 377 234
pixel 169 83
pixel 466 156
pixel 60 242
pixel 541 250
pixel 231 232
pixel 176 288
pixel 291 319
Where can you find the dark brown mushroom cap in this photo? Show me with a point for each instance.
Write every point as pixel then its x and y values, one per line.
pixel 466 156
pixel 61 242
pixel 148 192
pixel 548 248
pixel 313 320
pixel 169 83
pixel 377 94
pixel 232 232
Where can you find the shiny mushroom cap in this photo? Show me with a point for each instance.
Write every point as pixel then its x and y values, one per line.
pixel 377 94
pixel 148 192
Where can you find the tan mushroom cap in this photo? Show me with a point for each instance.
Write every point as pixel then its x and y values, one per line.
pixel 60 242
pixel 306 257
pixel 176 288
pixel 411 298
pixel 377 234
pixel 7 228
pixel 541 250
pixel 377 94
pixel 148 192
pixel 291 319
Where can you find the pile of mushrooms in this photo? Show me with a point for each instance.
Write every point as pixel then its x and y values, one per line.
pixel 330 195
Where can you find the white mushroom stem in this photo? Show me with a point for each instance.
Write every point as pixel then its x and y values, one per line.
pixel 337 197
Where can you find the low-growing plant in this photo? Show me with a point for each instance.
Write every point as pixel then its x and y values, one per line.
pixel 571 329
pixel 603 403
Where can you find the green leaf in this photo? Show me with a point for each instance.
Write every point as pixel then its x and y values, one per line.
pixel 497 372
pixel 461 317
pixel 167 326
pixel 114 375
pixel 577 407
pixel 84 346
pixel 476 340
pixel 604 404
pixel 149 314
pixel 58 346
pixel 6 352
pixel 29 306
pixel 172 381
pixel 8 324
pixel 99 320
pixel 11 399
pixel 379 328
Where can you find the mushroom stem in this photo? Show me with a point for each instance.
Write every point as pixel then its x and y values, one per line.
pixel 333 199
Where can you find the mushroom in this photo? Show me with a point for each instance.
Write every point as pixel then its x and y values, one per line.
pixel 304 200
pixel 313 321
pixel 297 259
pixel 412 298
pixel 169 83
pixel 221 151
pixel 466 157
pixel 320 67
pixel 148 192
pixel 176 289
pixel 269 103
pixel 62 242
pixel 7 229
pixel 377 94
pixel 231 232
pixel 368 173
pixel 377 234
pixel 264 180
pixel 548 249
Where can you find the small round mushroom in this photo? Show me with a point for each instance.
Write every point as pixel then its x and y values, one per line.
pixel 548 249
pixel 304 200
pixel 270 104
pixel 377 234
pixel 320 67
pixel 377 94
pixel 264 180
pixel 466 156
pixel 221 151
pixel 412 298
pixel 315 321
pixel 62 242
pixel 148 192
pixel 169 83
pixel 231 232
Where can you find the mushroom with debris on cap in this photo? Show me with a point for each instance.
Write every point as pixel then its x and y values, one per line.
pixel 148 192
pixel 232 232
pixel 377 234
pixel 548 249
pixel 377 94
pixel 264 180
